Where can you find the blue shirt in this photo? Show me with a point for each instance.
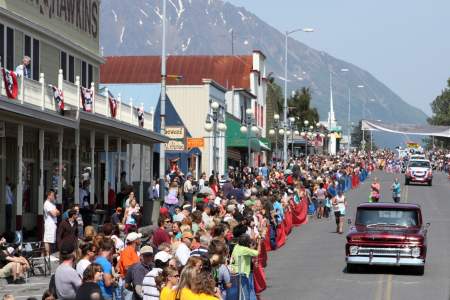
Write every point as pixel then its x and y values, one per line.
pixel 279 210
pixel 107 292
pixel 332 191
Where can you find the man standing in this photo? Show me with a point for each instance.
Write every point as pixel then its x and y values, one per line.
pixel 396 191
pixel 188 189
pixel 67 280
pixel 137 272
pixel 104 259
pixel 50 219
pixel 129 257
pixel 184 249
pixel 9 204
pixel 68 229
pixel 23 69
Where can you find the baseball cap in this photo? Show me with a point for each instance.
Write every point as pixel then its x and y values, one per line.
pixel 163 211
pixel 131 237
pixel 163 256
pixel 146 250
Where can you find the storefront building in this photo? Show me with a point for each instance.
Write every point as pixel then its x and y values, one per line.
pixel 46 145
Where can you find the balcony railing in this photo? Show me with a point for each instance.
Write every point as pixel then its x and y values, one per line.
pixel 39 95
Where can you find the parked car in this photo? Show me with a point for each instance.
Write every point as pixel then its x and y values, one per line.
pixel 419 171
pixel 390 234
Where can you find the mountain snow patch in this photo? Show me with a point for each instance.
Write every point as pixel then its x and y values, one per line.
pixel 158 13
pixel 143 12
pixel 178 9
pixel 223 19
pixel 140 22
pixel 184 47
pixel 243 17
pixel 245 42
pixel 121 34
pixel 115 15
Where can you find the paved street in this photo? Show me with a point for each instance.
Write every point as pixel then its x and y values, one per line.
pixel 312 264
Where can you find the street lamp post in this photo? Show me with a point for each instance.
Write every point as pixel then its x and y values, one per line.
pixel 291 127
pixel 286 35
pixel 306 122
pixel 348 113
pixel 216 126
pixel 247 128
pixel 274 131
pixel 363 142
pixel 162 153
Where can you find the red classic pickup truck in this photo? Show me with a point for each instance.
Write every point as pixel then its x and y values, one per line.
pixel 389 234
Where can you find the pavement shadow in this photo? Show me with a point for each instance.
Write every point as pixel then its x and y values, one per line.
pixel 362 269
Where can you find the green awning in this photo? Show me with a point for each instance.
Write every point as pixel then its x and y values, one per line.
pixel 236 139
pixel 265 144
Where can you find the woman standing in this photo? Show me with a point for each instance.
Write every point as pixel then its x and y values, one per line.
pixel 375 190
pixel 339 207
pixel 169 280
pixel 129 217
pixel 90 289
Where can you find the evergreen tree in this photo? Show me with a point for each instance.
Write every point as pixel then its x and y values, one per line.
pixel 441 114
pixel 300 107
pixel 357 135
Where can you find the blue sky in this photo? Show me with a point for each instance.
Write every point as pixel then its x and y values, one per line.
pixel 404 43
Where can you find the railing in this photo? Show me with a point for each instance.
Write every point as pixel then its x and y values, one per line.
pixel 39 95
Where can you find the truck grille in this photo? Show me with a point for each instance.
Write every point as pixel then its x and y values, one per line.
pixel 384 251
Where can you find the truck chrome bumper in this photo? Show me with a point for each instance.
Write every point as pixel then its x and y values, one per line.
pixel 387 261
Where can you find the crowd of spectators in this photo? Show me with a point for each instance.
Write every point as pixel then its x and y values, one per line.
pixel 211 235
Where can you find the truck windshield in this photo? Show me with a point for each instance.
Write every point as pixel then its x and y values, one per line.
pixel 390 217
pixel 419 164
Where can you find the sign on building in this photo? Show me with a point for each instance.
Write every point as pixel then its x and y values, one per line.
pixel 195 143
pixel 176 135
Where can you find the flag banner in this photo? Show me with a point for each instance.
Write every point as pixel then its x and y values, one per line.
pixel 414 129
pixel 113 106
pixel 140 114
pixel 87 99
pixel 11 86
pixel 58 96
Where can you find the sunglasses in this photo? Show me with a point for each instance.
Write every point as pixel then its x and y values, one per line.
pixel 176 276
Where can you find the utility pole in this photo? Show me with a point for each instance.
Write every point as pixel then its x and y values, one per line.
pixel 162 153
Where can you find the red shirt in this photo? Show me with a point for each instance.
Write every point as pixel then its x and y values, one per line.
pixel 160 236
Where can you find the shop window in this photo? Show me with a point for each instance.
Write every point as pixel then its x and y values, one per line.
pixel 63 64
pixel 2 44
pixel 10 48
pixel 31 49
pixel 83 74
pixel 71 74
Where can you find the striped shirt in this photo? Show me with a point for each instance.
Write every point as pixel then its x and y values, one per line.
pixel 149 289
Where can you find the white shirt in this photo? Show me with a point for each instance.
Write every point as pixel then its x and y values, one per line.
pixel 183 253
pixel 149 289
pixel 9 195
pixel 81 266
pixel 48 218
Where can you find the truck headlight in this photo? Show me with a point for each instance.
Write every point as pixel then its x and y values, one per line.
pixel 353 250
pixel 415 252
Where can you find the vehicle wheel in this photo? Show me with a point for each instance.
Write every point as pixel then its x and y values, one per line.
pixel 351 268
pixel 419 270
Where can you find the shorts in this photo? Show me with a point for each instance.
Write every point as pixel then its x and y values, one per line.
pixel 338 215
pixel 6 271
pixel 49 233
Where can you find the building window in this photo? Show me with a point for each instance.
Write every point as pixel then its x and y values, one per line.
pixel 90 75
pixel 35 60
pixel 31 49
pixel 63 64
pixel 2 45
pixel 83 74
pixel 71 69
pixel 262 116
pixel 9 48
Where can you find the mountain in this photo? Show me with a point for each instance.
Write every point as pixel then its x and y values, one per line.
pixel 207 26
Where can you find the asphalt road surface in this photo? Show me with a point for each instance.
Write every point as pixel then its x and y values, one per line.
pixel 312 263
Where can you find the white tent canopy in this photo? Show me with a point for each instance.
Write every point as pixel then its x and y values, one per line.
pixel 412 129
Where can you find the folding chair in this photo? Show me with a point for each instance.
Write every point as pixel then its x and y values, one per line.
pixel 39 264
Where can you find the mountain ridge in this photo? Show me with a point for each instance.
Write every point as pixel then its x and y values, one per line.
pixel 205 27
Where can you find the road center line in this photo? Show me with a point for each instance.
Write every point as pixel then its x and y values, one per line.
pixel 388 293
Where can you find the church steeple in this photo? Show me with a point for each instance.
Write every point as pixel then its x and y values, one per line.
pixel 331 116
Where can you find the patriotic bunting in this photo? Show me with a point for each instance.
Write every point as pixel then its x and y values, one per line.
pixel 113 106
pixel 58 96
pixel 140 114
pixel 87 99
pixel 11 86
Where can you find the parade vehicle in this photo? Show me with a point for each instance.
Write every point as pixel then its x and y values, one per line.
pixel 419 170
pixel 390 234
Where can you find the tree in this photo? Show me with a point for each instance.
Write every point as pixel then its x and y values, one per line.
pixel 300 107
pixel 441 114
pixel 357 135
pixel 274 95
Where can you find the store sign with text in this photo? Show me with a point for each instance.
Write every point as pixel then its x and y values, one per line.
pixel 175 145
pixel 175 132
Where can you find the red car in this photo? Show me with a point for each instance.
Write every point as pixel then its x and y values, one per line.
pixel 390 234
